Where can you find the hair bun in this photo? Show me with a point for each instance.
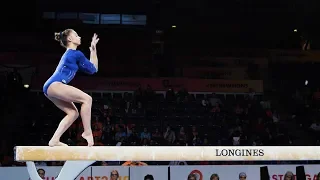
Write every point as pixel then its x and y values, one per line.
pixel 57 36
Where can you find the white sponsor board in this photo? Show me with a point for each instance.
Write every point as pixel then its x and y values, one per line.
pixel 277 172
pixel 158 172
pixel 224 172
pixel 106 172
pixel 51 172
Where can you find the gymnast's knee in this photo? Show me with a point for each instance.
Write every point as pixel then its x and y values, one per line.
pixel 87 99
pixel 73 114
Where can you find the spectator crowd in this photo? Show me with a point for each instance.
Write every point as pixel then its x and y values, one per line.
pixel 148 118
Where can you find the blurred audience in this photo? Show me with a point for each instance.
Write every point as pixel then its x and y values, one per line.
pixel 149 119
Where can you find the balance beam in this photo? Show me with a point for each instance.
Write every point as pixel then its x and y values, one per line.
pixel 166 153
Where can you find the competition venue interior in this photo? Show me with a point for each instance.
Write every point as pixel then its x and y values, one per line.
pixel 185 90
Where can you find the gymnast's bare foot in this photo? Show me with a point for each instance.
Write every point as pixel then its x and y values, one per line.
pixel 53 143
pixel 88 137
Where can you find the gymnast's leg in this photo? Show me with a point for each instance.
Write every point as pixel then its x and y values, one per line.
pixel 70 94
pixel 72 114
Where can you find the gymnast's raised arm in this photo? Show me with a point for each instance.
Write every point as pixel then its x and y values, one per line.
pixel 93 50
pixel 85 65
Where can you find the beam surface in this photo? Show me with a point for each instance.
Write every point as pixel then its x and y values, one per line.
pixel 166 153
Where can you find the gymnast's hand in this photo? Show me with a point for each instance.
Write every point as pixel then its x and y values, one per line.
pixel 94 42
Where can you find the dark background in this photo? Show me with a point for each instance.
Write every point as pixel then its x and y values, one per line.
pixel 231 23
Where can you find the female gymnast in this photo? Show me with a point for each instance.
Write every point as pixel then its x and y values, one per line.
pixel 64 96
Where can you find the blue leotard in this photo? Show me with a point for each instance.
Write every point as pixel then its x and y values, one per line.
pixel 70 63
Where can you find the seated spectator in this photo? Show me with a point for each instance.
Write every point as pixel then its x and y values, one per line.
pixel 133 138
pixel 205 102
pixel 169 136
pixel 238 110
pixel 194 131
pixel 182 136
pixel 216 108
pixel 156 135
pixel 145 135
pixel 214 100
pixel 120 135
pixel 275 117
